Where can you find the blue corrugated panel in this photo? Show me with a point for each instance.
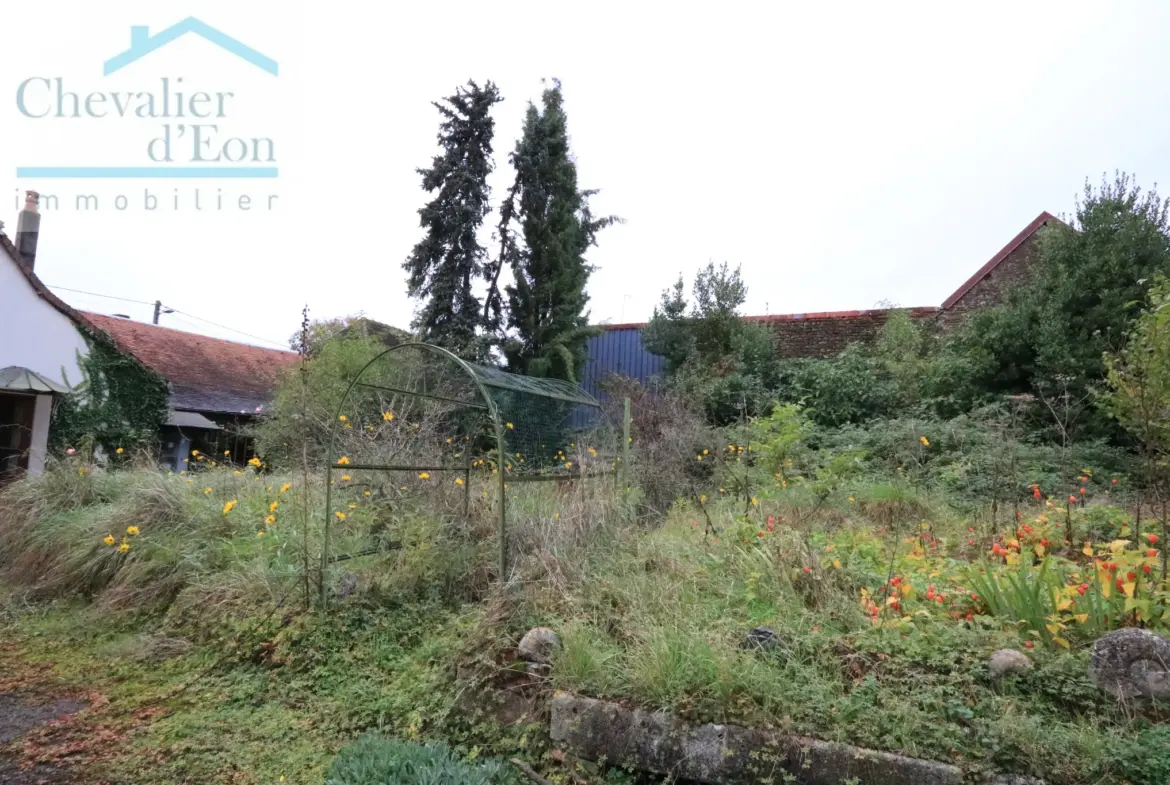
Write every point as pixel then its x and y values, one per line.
pixel 618 351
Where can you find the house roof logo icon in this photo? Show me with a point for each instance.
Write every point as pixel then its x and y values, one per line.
pixel 143 43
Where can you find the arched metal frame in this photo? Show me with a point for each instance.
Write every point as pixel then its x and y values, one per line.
pixel 488 405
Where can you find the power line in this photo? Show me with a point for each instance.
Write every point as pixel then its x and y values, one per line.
pixel 95 294
pixel 232 329
pixel 173 310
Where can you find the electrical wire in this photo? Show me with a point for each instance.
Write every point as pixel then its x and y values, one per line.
pixel 281 344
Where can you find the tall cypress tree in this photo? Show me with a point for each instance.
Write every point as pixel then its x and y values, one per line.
pixel 546 301
pixel 445 264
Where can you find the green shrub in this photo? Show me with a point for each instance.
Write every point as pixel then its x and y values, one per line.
pixel 373 760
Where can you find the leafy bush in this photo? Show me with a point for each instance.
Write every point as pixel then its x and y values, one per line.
pixel 373 760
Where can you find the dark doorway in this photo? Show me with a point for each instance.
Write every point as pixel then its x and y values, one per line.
pixel 16 423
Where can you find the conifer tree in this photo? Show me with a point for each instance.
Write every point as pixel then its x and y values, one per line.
pixel 547 316
pixel 445 265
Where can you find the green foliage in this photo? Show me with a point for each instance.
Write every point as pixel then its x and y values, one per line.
pixel 305 402
pixel 1080 303
pixel 118 403
pixel 1139 375
pixel 449 261
pixel 668 333
pixel 374 760
pixel 547 300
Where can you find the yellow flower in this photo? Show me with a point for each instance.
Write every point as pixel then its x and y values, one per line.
pixel 119 451
pixel 424 475
pixel 254 461
pixel 285 487
pixel 229 506
pixel 227 452
pixel 352 506
pixel 206 491
pixel 449 440
pixel 260 533
pixel 852 499
pixel 340 515
pixel 132 530
pixel 924 440
pixel 367 493
pixel 345 478
pixel 238 473
pixel 755 500
pixel 387 416
pixel 109 539
pixel 704 452
pixel 510 426
pixel 593 452
pixel 343 460
pixel 342 418
pixel 82 471
pixel 699 457
pixel 194 452
pixel 568 464
pixel 702 498
pixel 271 519
pixel 458 480
pixel 124 547
pixel 272 507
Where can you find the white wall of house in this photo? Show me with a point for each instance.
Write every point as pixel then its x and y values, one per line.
pixel 38 450
pixel 34 334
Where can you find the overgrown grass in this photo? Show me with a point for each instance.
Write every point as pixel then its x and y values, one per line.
pixel 656 617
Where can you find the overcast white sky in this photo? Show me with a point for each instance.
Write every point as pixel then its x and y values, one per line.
pixel 842 153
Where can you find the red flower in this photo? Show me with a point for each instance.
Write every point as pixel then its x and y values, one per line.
pixel 1082 491
pixel 771 519
pixel 1114 480
pixel 1146 569
pixel 1131 576
pixel 1151 553
pixel 970 617
pixel 1082 589
pixel 759 534
pixel 1072 499
pixel 806 569
pixel 1035 491
pixel 1029 645
pixel 970 542
pixel 1153 538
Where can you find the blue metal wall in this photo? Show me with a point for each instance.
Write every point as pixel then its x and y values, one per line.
pixel 618 351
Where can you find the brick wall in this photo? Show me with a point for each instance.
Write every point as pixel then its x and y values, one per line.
pixel 992 287
pixel 827 334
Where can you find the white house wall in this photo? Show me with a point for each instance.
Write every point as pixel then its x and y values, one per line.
pixel 34 334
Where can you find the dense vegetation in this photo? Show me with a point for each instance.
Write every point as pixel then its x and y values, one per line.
pixel 894 514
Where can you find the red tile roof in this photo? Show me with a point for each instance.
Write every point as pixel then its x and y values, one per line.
pixel 205 374
pixel 1004 252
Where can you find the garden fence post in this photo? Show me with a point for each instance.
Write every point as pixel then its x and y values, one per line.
pixel 624 490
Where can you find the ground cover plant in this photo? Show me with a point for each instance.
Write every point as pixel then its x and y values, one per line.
pixel 181 598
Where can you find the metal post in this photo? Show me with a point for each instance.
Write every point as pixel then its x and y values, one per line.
pixel 624 490
pixel 503 503
pixel 466 479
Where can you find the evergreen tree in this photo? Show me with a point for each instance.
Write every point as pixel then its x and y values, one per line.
pixel 444 266
pixel 547 299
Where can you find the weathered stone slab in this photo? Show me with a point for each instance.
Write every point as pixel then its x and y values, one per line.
pixel 661 743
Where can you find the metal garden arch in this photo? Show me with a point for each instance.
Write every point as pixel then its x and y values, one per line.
pixel 474 395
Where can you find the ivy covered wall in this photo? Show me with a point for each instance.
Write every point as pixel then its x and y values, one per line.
pixel 118 403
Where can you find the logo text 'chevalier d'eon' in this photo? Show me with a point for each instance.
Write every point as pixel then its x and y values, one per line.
pixel 189 141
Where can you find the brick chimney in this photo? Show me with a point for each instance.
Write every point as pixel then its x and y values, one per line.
pixel 28 227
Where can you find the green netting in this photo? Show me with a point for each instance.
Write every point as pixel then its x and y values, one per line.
pixel 421 434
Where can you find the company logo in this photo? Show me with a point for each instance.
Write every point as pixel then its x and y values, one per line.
pixel 192 139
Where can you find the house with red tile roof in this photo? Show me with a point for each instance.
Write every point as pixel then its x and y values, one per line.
pixel 215 386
